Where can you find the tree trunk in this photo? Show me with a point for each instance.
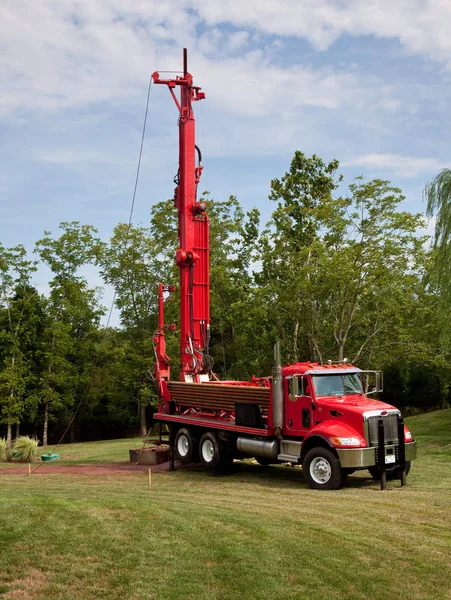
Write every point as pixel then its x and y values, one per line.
pixel 9 442
pixel 314 349
pixel 143 422
pixel 9 435
pixel 72 432
pixel 46 424
pixel 295 341
pixel 46 404
pixel 17 430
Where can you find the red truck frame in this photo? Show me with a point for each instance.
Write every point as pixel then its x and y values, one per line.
pixel 319 416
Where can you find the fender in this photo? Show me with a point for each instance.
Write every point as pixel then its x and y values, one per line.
pixel 330 429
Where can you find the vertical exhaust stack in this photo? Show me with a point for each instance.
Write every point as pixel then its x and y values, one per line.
pixel 277 392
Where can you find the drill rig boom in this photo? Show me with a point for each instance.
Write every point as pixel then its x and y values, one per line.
pixel 192 256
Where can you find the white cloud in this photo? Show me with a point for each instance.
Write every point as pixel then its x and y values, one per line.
pixel 421 26
pixel 69 56
pixel 251 85
pixel 71 156
pixel 238 40
pixel 404 166
pixel 59 55
pixel 75 53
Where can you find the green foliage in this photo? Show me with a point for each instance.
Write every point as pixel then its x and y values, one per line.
pixel 73 314
pixel 17 328
pixel 77 246
pixel 336 271
pixel 133 264
pixel 438 196
pixel 130 263
pixel 26 448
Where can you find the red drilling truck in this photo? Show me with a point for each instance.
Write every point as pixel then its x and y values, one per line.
pixel 315 415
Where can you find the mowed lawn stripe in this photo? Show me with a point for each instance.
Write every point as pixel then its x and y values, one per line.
pixel 259 533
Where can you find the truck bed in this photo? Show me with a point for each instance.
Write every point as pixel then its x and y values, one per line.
pixel 218 396
pixel 212 423
pixel 212 405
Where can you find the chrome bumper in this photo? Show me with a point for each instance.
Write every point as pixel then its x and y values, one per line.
pixel 411 451
pixel 353 458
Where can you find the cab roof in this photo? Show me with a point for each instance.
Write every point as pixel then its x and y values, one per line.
pixel 310 368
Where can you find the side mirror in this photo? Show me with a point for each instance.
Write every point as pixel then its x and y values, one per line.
pixel 379 382
pixel 294 388
pixel 373 381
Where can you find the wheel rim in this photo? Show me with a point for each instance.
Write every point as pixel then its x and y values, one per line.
pixel 208 451
pixel 183 445
pixel 320 470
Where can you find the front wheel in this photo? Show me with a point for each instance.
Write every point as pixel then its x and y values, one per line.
pixel 322 470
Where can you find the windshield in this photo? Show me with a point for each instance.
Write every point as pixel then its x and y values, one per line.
pixel 337 385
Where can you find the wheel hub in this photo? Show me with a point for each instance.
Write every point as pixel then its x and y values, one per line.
pixel 208 451
pixel 183 445
pixel 320 470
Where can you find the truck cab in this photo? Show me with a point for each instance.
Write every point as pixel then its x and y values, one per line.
pixel 325 406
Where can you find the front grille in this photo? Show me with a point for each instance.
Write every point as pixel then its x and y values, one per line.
pixel 390 429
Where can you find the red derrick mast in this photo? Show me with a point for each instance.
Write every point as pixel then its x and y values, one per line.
pixel 192 257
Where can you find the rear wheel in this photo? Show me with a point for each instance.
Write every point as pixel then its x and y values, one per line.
pixel 322 470
pixel 186 446
pixel 214 453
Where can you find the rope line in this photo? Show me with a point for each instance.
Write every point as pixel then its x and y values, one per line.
pixel 132 208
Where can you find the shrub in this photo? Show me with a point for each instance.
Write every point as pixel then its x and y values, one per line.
pixel 26 447
pixel 3 446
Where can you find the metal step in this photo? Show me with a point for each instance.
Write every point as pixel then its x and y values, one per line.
pixel 288 458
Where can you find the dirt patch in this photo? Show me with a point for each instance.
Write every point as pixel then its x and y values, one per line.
pixel 27 587
pixel 99 469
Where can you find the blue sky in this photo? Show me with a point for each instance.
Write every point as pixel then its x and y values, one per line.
pixel 364 82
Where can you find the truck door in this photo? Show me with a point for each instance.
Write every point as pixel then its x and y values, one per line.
pixel 298 405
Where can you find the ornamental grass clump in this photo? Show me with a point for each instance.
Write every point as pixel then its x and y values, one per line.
pixel 3 446
pixel 26 448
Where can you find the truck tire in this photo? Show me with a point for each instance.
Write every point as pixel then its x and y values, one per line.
pixel 322 470
pixel 186 447
pixel 214 453
pixel 392 473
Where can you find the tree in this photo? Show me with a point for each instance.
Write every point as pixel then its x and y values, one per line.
pixel 233 242
pixel 438 196
pixel 292 253
pixel 16 371
pixel 132 264
pixel 337 272
pixel 73 316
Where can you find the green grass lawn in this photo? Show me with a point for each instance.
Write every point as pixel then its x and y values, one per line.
pixel 258 533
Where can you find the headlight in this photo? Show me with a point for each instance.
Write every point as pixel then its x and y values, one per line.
pixel 345 441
